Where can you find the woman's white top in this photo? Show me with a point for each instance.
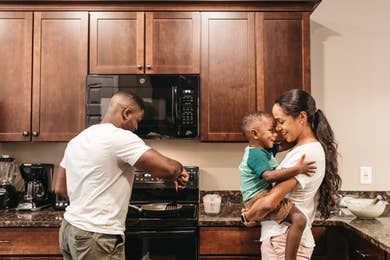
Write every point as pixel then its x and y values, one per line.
pixel 305 195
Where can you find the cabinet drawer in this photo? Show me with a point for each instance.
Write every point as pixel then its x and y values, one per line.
pixel 29 241
pixel 229 241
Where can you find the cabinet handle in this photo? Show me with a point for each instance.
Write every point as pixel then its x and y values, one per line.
pixel 26 133
pixel 5 241
pixel 35 133
pixel 361 254
pixel 148 66
pixel 257 241
pixel 139 66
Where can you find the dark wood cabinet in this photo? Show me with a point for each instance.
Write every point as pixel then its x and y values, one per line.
pixel 283 55
pixel 248 60
pixel 360 248
pixel 59 75
pixel 171 44
pixel 46 103
pixel 29 243
pixel 15 75
pixel 229 242
pixel 228 79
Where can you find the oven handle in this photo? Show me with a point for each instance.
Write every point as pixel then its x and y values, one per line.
pixel 154 233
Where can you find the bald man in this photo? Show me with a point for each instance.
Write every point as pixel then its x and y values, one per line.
pixel 96 174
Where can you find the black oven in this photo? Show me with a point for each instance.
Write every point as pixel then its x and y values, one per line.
pixel 166 234
pixel 171 101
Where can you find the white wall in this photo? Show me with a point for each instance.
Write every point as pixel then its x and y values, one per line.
pixel 350 55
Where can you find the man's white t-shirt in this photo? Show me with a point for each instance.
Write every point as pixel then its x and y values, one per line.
pixel 305 195
pixel 99 177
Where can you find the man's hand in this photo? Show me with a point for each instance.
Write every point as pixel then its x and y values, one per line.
pixel 181 181
pixel 308 167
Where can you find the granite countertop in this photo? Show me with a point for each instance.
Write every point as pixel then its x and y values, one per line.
pixel 376 231
pixel 38 219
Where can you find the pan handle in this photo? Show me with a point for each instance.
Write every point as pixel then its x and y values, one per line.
pixel 136 208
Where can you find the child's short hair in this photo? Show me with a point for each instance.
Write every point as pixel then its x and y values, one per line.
pixel 251 117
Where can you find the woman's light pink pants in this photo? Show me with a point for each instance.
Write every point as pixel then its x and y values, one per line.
pixel 275 247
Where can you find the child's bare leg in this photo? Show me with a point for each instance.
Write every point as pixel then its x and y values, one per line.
pixel 294 234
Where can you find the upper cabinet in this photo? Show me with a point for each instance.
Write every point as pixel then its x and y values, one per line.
pixel 228 79
pixel 248 60
pixel 15 75
pixel 47 104
pixel 282 55
pixel 123 43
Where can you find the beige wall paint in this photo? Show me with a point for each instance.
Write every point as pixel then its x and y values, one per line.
pixel 350 55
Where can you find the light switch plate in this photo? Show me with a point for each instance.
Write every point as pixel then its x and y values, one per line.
pixel 365 175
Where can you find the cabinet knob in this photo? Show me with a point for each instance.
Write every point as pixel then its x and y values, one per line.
pixel 139 66
pixel 148 66
pixel 25 133
pixel 35 133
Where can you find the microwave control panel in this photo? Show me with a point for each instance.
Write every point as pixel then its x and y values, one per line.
pixel 188 106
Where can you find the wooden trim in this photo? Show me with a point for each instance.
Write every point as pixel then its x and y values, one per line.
pixel 306 70
pixel 259 23
pixel 267 6
pixel 35 110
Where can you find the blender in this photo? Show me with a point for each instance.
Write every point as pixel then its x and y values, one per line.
pixel 8 171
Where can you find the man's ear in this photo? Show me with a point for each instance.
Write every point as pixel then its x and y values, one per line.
pixel 126 113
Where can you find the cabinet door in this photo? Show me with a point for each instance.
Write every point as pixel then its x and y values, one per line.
pixel 29 241
pixel 232 241
pixel 117 43
pixel 283 55
pixel 15 75
pixel 59 75
pixel 227 74
pixel 172 42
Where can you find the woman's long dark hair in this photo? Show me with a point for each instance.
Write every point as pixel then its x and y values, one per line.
pixel 293 103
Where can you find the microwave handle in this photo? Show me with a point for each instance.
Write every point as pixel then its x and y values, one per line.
pixel 174 104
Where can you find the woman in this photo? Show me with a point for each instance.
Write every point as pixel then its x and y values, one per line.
pixel 301 123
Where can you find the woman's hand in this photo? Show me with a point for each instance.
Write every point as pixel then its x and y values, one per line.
pixel 245 221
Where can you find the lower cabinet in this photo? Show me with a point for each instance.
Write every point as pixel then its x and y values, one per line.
pixel 334 243
pixel 229 243
pixel 29 243
pixel 360 248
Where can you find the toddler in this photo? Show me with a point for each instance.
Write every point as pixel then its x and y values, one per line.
pixel 258 171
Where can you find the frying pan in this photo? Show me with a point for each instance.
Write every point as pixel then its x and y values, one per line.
pixel 158 209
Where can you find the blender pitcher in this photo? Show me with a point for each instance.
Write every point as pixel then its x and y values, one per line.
pixel 8 172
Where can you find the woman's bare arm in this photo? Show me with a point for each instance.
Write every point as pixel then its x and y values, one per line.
pixel 266 204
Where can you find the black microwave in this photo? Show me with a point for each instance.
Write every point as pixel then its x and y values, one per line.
pixel 171 102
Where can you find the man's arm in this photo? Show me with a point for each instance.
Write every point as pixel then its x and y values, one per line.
pixel 60 185
pixel 163 167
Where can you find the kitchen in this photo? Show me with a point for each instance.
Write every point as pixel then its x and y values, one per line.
pixel 348 68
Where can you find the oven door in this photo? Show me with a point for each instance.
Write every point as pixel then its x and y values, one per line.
pixel 162 244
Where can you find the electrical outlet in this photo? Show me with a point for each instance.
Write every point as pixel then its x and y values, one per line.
pixel 365 175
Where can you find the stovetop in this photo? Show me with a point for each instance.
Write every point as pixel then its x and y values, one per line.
pixel 148 189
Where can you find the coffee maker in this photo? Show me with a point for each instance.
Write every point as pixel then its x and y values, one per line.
pixel 38 186
pixel 8 173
